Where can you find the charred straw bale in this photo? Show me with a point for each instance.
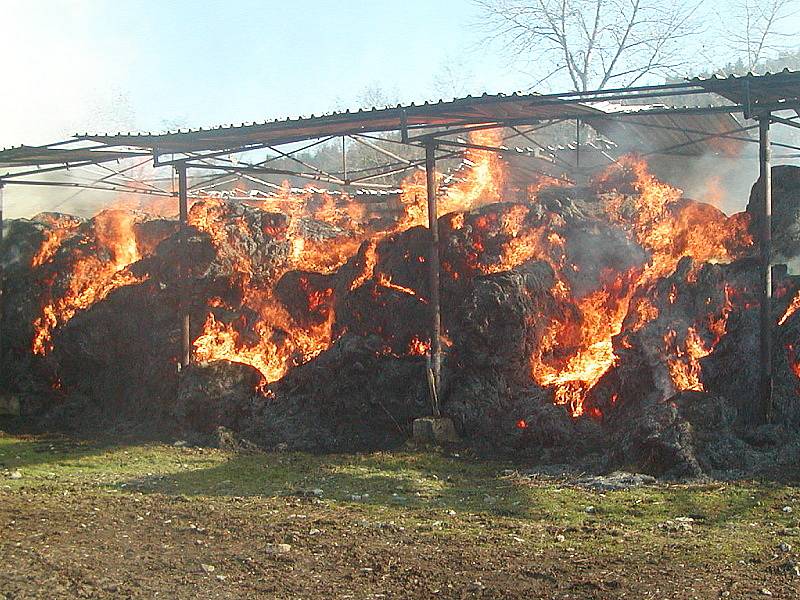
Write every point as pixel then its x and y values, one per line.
pixel 212 395
pixel 351 397
pixel 688 436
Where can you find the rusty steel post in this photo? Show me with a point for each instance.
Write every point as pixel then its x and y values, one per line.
pixel 765 168
pixel 183 202
pixel 344 161
pixel 433 269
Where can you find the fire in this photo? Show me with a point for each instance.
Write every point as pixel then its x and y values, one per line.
pixel 271 342
pixel 61 229
pixel 220 341
pixel 479 181
pixel 794 362
pixel 665 225
pixel 645 311
pixel 322 235
pixel 659 220
pixel 483 179
pixel 99 268
pixel 385 280
pixel 417 347
pixel 791 309
pixel 603 312
pixel 685 369
pixel 370 258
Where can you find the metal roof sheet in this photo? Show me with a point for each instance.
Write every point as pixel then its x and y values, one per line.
pixel 649 129
pixel 753 89
pixel 32 156
pixel 462 111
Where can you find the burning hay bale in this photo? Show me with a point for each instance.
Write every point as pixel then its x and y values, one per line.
pixel 307 296
pixel 500 325
pixel 22 289
pixel 610 326
pixel 786 369
pixel 400 324
pixel 671 326
pixel 501 321
pixel 76 264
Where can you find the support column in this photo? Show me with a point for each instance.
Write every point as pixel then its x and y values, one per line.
pixel 344 160
pixel 765 242
pixel 183 273
pixel 433 266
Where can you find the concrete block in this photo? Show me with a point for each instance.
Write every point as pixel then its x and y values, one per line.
pixel 435 430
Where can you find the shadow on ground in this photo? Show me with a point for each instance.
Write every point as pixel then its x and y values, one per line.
pixel 411 480
pixel 425 480
pixel 28 451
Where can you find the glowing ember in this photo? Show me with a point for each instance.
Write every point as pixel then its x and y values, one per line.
pixel 386 281
pixel 417 347
pixel 794 361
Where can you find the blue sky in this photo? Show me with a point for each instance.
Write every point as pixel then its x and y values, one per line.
pixel 109 65
pixel 103 65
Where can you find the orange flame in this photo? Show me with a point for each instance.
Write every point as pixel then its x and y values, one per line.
pixel 791 309
pixel 603 312
pixel 478 182
pixel 685 369
pixel 656 217
pixel 92 278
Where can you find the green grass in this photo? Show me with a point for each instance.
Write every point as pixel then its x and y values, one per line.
pixel 415 489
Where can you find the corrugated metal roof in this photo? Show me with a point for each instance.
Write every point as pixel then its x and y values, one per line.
pixel 770 88
pixel 646 129
pixel 767 88
pixel 32 156
pixel 462 111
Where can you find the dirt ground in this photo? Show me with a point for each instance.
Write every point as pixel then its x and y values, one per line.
pixel 90 520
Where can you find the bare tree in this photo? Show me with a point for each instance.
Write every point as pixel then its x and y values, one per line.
pixel 454 78
pixel 595 43
pixel 752 28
